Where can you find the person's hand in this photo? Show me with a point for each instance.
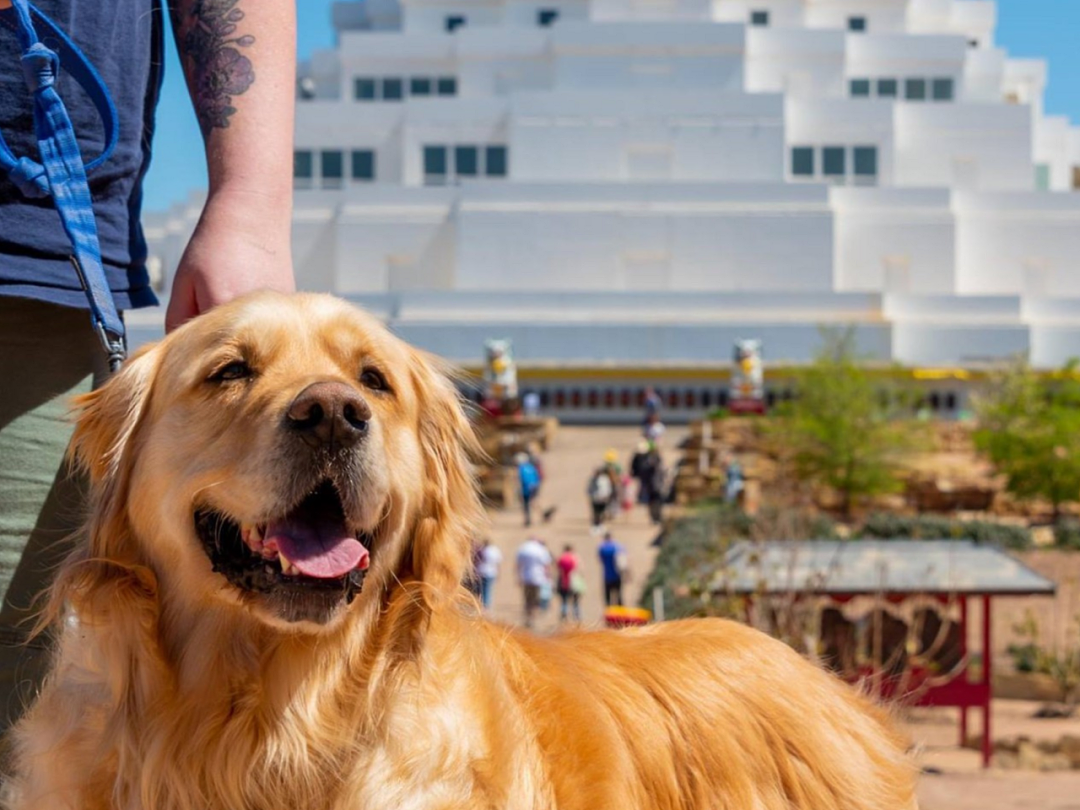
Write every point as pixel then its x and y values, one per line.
pixel 238 247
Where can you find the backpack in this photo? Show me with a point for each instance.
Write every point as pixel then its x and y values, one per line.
pixel 600 489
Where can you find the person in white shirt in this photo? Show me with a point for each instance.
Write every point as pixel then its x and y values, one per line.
pixel 534 574
pixel 487 569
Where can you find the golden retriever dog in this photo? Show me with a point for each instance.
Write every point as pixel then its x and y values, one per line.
pixel 265 613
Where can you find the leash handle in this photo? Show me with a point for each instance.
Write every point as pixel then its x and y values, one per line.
pixel 61 172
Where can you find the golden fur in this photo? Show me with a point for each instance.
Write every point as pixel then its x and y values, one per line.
pixel 171 690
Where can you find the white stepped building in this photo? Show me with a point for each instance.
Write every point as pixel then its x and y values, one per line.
pixel 636 183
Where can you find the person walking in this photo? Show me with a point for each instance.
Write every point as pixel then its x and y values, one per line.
pixel 239 62
pixel 533 572
pixel 528 483
pixel 601 491
pixel 488 562
pixel 571 584
pixel 648 468
pixel 652 405
pixel 613 559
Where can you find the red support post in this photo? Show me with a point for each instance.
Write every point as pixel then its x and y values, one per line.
pixel 988 744
pixel 963 657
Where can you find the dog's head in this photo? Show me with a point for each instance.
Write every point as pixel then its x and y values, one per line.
pixel 282 454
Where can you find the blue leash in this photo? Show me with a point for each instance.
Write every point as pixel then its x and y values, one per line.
pixel 61 172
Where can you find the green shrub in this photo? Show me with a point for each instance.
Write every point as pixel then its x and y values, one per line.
pixel 889 526
pixel 1067 534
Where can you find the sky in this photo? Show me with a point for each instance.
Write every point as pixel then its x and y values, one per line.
pixel 1026 28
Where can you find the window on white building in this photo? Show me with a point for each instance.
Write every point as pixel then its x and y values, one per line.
pixel 364 89
pixel 546 17
pixel 303 168
pixel 942 89
pixel 857 24
pixel 332 168
pixel 393 89
pixel 860 88
pixel 495 161
pixel 760 18
pixel 469 160
pixel 363 165
pixel 1076 178
pixel 887 88
pixel 865 164
pixel 446 86
pixel 1042 177
pixel 915 89
pixel 833 161
pixel 419 86
pixel 802 161
pixel 454 22
pixel 466 161
pixel 435 168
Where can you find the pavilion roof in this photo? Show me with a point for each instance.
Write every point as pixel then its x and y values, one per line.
pixel 853 567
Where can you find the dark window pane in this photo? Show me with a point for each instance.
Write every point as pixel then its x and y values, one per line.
pixel 546 16
pixel 860 88
pixel 333 165
pixel 466 161
pixel 435 160
pixel 454 21
pixel 943 89
pixel 363 164
pixel 866 161
pixel 393 89
pixel 832 161
pixel 447 86
pixel 419 86
pixel 759 18
pixel 887 88
pixel 364 89
pixel 802 161
pixel 495 161
pixel 856 24
pixel 302 165
pixel 915 89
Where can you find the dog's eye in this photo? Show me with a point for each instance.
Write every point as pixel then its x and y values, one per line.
pixel 237 370
pixel 374 380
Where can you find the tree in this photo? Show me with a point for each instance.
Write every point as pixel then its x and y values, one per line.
pixel 842 430
pixel 1029 428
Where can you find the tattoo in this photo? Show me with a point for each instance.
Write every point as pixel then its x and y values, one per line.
pixel 219 71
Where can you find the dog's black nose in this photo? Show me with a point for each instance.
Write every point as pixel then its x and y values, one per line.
pixel 329 414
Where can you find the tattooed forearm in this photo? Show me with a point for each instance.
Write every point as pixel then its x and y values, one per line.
pixel 217 70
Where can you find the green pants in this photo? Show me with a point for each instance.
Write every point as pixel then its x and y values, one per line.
pixel 48 354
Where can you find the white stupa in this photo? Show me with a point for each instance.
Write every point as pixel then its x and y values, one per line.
pixel 632 184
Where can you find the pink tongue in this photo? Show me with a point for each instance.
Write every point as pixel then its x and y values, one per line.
pixel 318 548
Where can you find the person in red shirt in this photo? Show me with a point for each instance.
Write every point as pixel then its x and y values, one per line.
pixel 570 584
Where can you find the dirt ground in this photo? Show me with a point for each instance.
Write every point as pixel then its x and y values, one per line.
pixel 954 780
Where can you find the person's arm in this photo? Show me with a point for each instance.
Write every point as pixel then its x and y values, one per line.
pixel 239 58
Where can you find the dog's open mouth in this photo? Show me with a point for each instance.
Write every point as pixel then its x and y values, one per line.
pixel 308 548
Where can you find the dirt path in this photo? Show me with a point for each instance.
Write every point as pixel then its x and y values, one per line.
pixel 567 466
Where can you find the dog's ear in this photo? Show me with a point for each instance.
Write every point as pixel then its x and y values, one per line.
pixel 106 419
pixel 451 514
pixel 104 572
